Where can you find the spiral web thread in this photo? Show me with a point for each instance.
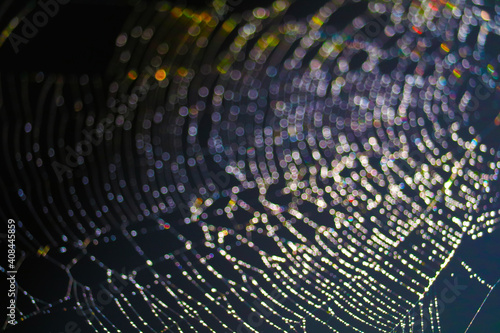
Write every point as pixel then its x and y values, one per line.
pixel 262 173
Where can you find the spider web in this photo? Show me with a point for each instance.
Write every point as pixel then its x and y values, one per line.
pixel 252 172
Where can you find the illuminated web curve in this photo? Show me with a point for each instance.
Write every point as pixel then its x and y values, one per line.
pixel 301 171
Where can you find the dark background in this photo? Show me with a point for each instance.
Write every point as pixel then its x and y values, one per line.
pixel 80 39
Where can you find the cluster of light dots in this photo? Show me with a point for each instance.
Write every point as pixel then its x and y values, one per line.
pixel 474 275
pixel 269 166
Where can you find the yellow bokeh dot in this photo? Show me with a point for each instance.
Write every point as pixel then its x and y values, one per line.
pixel 160 75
